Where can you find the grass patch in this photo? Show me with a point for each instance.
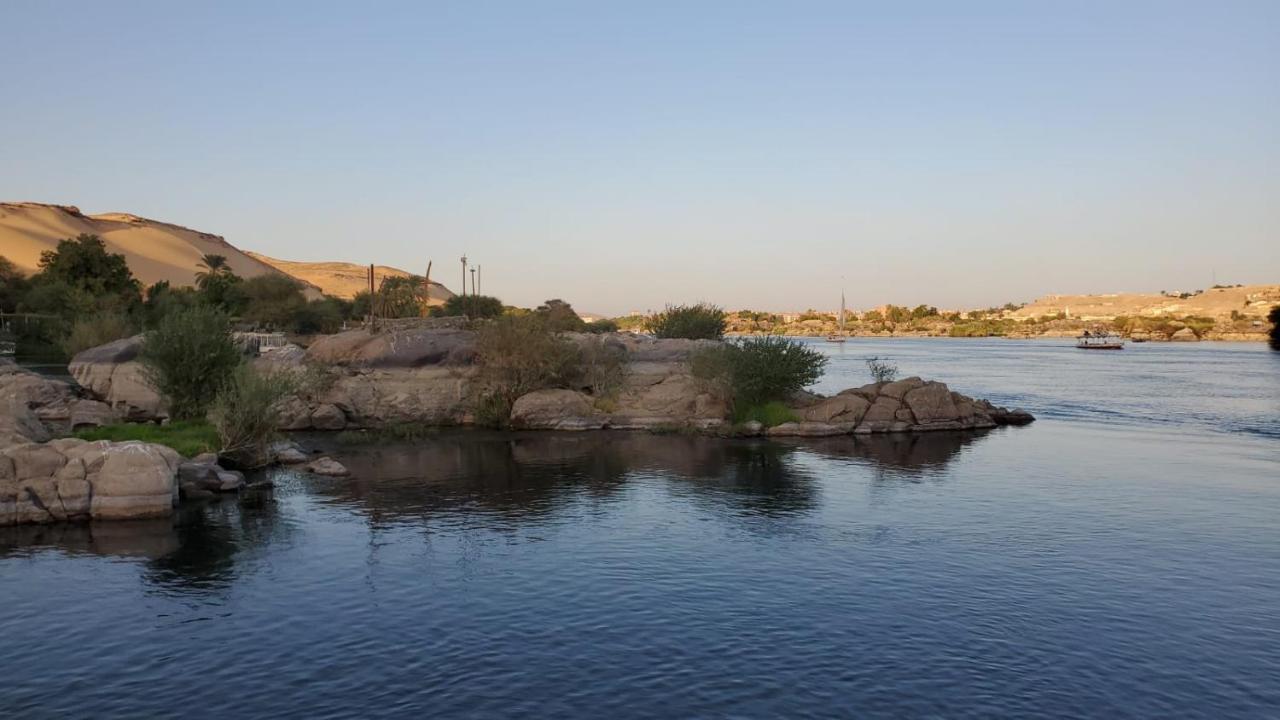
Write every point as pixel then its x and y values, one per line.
pixel 188 437
pixel 770 414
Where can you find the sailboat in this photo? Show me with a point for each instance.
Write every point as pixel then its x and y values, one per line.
pixel 839 337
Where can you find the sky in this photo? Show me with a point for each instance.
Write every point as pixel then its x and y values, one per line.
pixel 623 156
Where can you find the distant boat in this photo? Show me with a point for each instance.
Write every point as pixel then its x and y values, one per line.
pixel 1099 340
pixel 840 337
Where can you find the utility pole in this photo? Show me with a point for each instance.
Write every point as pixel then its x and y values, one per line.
pixel 426 289
pixel 480 276
pixel 464 280
pixel 369 319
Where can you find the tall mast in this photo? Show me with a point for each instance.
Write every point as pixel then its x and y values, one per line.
pixel 842 310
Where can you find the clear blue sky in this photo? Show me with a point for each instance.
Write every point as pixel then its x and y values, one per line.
pixel 751 154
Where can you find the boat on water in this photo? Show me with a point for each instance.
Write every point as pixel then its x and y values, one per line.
pixel 839 337
pixel 1099 340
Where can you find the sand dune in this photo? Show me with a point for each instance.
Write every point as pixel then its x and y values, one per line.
pixel 342 279
pixel 163 251
pixel 155 250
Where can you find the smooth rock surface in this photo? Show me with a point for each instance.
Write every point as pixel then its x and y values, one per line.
pixel 73 479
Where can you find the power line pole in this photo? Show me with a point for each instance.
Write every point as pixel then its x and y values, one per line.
pixel 464 281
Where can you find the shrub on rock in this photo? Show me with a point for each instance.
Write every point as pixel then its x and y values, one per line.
pixel 702 321
pixel 756 371
pixel 189 356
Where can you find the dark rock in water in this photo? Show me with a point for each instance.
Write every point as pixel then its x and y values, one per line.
pixel 230 480
pixel 195 491
pixel 1013 417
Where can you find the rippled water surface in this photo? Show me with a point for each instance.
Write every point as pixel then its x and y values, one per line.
pixel 1118 558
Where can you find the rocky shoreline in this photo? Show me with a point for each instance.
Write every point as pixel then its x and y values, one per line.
pixel 373 380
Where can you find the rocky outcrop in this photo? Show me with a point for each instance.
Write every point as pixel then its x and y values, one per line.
pixel 424 374
pixel 71 479
pixel 556 410
pixel 410 347
pixel 34 407
pixel 114 376
pixel 908 405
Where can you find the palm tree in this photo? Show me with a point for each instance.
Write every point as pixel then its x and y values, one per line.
pixel 214 266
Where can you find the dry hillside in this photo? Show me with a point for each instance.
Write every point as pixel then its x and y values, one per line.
pixel 159 251
pixel 154 250
pixel 1250 301
pixel 342 279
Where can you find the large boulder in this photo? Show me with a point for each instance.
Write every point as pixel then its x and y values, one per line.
pixel 675 396
pixel 555 410
pixel 19 425
pixel 395 348
pixel 910 405
pixel 31 404
pixel 73 479
pixel 1185 334
pixel 931 403
pixel 112 374
pixel 328 416
pixel 843 408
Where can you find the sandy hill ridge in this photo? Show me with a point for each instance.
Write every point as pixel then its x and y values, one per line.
pixel 154 250
pixel 343 279
pixel 158 250
pixel 1251 301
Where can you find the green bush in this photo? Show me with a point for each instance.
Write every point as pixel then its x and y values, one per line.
pixel 881 369
pixel 271 301
pixel 187 437
pixel 695 322
pixel 759 370
pixel 188 357
pixel 515 356
pixel 770 414
pixel 602 326
pixel 475 306
pixel 982 328
pixel 319 316
pixel 13 285
pixel 601 366
pixel 246 413
pixel 559 316
pixel 95 330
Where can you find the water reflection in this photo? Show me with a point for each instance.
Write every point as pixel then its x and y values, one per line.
pixel 900 455
pixel 213 539
pixel 528 475
pixel 490 480
pixel 197 550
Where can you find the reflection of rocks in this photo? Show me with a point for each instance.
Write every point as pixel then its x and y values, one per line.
pixel 900 451
pixel 530 474
pixel 127 538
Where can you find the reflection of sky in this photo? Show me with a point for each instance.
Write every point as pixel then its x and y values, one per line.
pixel 1031 552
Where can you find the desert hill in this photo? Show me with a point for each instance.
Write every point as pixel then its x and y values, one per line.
pixel 154 250
pixel 342 279
pixel 158 250
pixel 1249 301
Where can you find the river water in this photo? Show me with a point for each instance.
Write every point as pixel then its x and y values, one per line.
pixel 1118 558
